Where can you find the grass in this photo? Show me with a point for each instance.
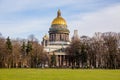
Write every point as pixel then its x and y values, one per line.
pixel 59 74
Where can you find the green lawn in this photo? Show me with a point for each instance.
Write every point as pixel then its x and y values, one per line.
pixel 59 74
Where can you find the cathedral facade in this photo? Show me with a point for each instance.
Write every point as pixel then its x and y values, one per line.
pixel 58 40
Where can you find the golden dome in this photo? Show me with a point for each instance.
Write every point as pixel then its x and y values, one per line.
pixel 59 19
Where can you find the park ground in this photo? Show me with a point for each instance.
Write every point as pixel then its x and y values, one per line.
pixel 59 74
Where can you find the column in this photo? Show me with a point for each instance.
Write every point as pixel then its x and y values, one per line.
pixel 64 60
pixel 60 60
pixel 67 37
pixel 67 61
pixel 58 37
pixel 57 61
pixel 50 37
pixel 54 37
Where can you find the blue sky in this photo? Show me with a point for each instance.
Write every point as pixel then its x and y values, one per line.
pixel 21 18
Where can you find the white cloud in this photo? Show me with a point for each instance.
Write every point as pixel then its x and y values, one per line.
pixel 27 26
pixel 104 20
pixel 21 5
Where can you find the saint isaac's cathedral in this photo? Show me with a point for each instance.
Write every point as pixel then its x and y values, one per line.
pixel 58 40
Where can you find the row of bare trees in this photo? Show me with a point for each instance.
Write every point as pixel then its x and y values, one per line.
pixel 100 51
pixel 21 53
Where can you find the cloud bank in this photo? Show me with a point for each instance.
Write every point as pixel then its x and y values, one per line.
pixel 103 20
pixel 20 18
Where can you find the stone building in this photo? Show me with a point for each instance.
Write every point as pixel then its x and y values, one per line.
pixel 58 40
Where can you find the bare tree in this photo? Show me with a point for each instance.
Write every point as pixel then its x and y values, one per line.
pixel 74 52
pixel 2 52
pixel 16 54
pixel 111 42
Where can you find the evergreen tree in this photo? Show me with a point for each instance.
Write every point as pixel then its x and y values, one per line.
pixel 9 55
pixel 9 45
pixel 28 47
pixel 53 60
pixel 23 49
